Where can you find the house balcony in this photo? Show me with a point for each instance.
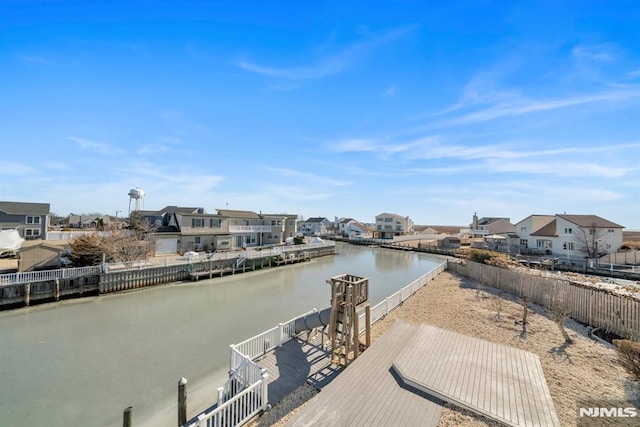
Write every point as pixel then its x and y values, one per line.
pixel 480 232
pixel 249 228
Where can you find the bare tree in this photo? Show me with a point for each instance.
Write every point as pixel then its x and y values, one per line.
pixel 559 312
pixel 126 247
pixel 497 303
pixel 589 237
pixel 525 292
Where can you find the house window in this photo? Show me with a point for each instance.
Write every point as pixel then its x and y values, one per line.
pixel 214 222
pixel 568 231
pixel 197 222
pixel 611 230
pixel 524 243
pixel 33 220
pixel 388 220
pixel 32 232
pixel 569 246
pixel 546 244
pixel 197 240
pixel 523 229
pixel 388 227
pixel 276 222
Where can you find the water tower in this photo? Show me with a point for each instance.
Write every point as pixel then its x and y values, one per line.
pixel 136 194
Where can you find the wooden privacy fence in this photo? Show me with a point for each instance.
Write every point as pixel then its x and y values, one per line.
pixel 600 308
pixel 623 257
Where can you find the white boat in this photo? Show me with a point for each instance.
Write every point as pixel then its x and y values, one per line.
pixel 10 242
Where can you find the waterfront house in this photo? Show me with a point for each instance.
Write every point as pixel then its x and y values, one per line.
pixel 283 227
pixel 313 226
pixel 481 227
pixel 357 229
pixel 389 225
pixel 86 221
pixel 30 219
pixel 569 236
pixel 179 229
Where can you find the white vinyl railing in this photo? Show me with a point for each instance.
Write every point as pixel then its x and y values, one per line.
pixel 384 307
pixel 249 253
pixel 234 409
pixel 46 275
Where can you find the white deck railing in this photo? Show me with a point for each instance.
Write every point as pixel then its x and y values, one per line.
pixel 46 275
pixel 235 410
pixel 384 307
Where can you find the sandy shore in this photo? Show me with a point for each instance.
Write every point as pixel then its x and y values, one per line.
pixel 583 370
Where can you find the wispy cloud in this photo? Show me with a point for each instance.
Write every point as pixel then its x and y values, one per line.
pixel 307 176
pixel 164 145
pixel 519 107
pixel 11 168
pixel 95 146
pixel 328 65
pixel 353 145
pixel 391 91
pixel 593 53
pixel 35 60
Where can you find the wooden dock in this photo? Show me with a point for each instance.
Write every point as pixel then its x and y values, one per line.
pixel 367 393
pixel 295 363
pixel 407 374
pixel 497 381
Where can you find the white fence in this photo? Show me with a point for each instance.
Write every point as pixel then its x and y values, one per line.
pixel 380 310
pixel 46 275
pixel 236 410
pixel 249 253
pixel 70 235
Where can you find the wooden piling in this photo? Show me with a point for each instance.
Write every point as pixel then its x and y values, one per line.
pixel 57 290
pixel 27 293
pixel 127 417
pixel 182 401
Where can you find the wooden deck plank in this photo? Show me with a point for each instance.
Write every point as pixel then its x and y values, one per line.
pixel 494 380
pixel 292 364
pixel 366 393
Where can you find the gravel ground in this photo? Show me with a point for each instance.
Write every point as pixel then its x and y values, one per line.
pixel 583 370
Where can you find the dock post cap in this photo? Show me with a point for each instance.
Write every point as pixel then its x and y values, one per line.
pixel 182 381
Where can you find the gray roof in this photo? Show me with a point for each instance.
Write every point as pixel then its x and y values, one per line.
pixel 24 208
pixel 589 221
pixel 238 214
pixel 489 219
pixel 316 219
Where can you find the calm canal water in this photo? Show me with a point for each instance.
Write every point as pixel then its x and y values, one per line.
pixel 82 362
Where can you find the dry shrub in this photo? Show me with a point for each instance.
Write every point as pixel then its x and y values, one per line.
pixel 481 256
pixel 629 356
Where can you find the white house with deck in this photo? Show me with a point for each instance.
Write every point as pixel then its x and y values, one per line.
pixel 389 225
pixel 569 236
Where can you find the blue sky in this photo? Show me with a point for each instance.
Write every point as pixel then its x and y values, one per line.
pixel 430 109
